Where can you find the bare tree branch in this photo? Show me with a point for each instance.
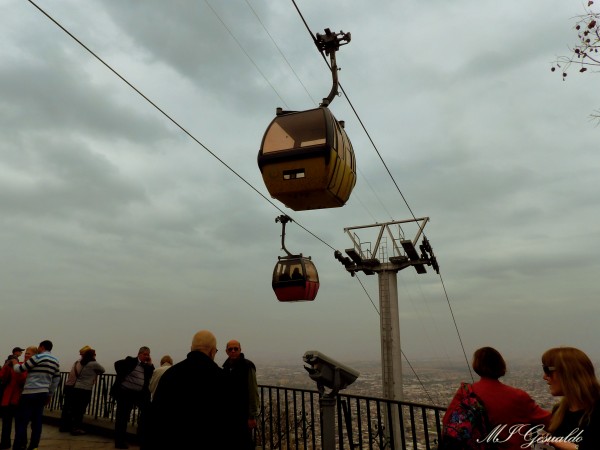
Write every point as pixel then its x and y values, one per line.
pixel 584 55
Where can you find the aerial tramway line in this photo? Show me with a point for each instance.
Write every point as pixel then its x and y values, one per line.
pixel 330 143
pixel 307 162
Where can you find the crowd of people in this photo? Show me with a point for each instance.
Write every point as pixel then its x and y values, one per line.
pixel 197 404
pixel 27 388
pixel 194 403
pixel 515 421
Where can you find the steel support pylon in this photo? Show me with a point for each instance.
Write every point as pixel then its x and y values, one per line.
pixel 375 260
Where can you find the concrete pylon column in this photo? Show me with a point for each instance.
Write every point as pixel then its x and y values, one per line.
pixel 391 355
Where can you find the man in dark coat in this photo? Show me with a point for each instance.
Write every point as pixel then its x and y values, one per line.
pixel 243 395
pixel 188 408
pixel 131 389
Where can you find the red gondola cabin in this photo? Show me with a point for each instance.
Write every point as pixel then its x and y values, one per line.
pixel 295 279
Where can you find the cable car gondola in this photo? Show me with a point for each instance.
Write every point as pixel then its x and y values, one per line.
pixel 295 277
pixel 306 158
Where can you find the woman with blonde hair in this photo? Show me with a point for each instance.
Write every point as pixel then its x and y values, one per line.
pixel 9 401
pixel 87 371
pixel 575 423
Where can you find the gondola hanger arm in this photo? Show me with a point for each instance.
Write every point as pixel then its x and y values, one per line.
pixel 284 219
pixel 329 43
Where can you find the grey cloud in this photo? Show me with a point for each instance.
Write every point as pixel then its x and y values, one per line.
pixel 109 207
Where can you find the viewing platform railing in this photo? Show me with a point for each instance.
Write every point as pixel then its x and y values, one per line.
pixel 290 419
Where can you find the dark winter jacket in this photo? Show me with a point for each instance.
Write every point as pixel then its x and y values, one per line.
pixel 188 409
pixel 123 368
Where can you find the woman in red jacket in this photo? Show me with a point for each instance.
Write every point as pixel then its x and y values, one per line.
pixel 512 413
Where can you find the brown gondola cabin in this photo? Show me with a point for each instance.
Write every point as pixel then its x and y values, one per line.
pixel 307 160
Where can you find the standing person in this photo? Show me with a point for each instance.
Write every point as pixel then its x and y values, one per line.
pixel 188 410
pixel 505 405
pixel 13 386
pixel 165 363
pixel 15 355
pixel 17 352
pixel 43 376
pixel 243 390
pixel 131 389
pixel 66 416
pixel 88 371
pixel 570 374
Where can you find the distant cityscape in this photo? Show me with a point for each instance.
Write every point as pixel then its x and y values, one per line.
pixel 436 383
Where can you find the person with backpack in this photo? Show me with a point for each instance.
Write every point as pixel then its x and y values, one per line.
pixel 481 415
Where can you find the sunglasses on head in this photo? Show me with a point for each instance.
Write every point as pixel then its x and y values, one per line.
pixel 548 369
pixel 233 349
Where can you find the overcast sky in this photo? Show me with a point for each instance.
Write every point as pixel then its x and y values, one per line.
pixel 118 230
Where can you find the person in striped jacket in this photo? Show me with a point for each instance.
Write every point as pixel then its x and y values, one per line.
pixel 43 376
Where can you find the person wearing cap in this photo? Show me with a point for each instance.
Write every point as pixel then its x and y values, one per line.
pixel 12 386
pixel 66 416
pixel 16 353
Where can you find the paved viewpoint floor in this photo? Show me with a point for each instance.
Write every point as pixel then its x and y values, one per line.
pixel 52 439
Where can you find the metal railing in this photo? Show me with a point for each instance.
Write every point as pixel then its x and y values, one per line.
pixel 290 419
pixel 102 405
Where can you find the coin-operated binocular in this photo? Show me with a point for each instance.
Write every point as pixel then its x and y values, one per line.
pixel 331 374
pixel 328 373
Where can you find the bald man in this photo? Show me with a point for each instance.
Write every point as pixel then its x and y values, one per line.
pixel 188 409
pixel 243 391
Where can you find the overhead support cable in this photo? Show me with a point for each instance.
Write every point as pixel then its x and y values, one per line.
pixel 314 38
pixel 401 351
pixel 281 53
pixel 172 120
pixel 456 327
pixel 356 114
pixel 245 52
